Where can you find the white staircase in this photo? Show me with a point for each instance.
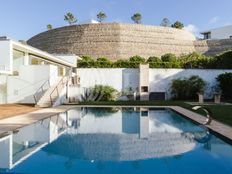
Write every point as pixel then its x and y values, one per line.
pixel 53 93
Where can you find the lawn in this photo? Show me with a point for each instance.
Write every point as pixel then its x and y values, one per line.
pixel 222 113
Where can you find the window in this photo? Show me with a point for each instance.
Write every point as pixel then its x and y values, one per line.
pixel 34 61
pixel 3 89
pixel 144 113
pixel 37 61
pixel 144 88
pixel 207 35
pixel 18 60
pixel 61 71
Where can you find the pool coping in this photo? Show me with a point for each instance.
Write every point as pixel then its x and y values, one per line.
pixel 14 123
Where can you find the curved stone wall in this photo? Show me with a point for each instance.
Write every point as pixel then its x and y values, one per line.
pixel 114 40
pixel 213 47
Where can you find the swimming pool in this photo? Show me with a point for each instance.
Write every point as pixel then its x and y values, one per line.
pixel 115 140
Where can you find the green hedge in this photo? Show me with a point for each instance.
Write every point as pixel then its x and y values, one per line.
pixel 189 61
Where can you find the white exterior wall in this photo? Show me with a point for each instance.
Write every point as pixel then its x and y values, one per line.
pixel 119 78
pixel 6 57
pixel 221 33
pixel 20 89
pixel 3 88
pixel 159 79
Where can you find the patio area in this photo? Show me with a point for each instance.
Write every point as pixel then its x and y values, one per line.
pixel 9 110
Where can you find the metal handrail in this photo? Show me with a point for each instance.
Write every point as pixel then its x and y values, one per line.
pixel 39 89
pixel 207 112
pixel 61 82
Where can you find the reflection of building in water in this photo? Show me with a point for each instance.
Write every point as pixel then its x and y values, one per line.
pixel 144 123
pixel 108 135
pixel 127 135
pixel 14 148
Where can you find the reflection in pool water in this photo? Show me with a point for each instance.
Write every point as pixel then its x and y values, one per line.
pixel 129 140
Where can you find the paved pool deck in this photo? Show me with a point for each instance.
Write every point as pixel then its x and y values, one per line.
pixel 14 123
pixel 10 110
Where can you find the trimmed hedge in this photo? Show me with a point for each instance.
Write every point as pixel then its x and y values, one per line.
pixel 189 61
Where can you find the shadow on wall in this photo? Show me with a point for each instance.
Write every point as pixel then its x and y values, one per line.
pixel 161 79
pixel 130 79
pixel 213 47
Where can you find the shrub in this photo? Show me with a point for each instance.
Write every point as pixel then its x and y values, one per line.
pixel 136 60
pixel 197 85
pixel 103 63
pixel 85 62
pixel 104 93
pixel 122 64
pixel 187 89
pixel 164 65
pixel 222 61
pixel 194 60
pixel 168 57
pixel 225 84
pixel 153 59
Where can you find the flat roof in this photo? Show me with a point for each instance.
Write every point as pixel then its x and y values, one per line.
pixel 39 53
pixel 210 30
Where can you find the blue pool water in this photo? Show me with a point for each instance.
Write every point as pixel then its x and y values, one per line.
pixel 115 140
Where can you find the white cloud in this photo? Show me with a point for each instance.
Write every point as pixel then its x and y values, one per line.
pixel 214 20
pixel 192 29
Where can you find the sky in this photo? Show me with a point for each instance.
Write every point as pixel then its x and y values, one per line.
pixel 22 19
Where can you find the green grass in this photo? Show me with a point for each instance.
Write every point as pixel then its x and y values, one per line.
pixel 222 113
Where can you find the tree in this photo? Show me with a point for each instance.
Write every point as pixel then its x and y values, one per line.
pixel 137 17
pixel 70 18
pixel 178 25
pixel 101 16
pixel 165 22
pixel 49 27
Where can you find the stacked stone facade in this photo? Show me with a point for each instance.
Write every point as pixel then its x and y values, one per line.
pixel 213 47
pixel 121 41
pixel 114 40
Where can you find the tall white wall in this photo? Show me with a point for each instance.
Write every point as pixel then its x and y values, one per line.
pixel 159 79
pixel 20 89
pixel 119 78
pixel 5 57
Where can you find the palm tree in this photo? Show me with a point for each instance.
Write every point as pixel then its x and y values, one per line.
pixel 137 17
pixel 101 16
pixel 49 27
pixel 70 18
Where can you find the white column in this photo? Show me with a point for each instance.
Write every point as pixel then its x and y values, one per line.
pixel 6 152
pixel 144 123
pixel 26 59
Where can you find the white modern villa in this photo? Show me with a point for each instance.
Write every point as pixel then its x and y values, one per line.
pixel 218 33
pixel 26 73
